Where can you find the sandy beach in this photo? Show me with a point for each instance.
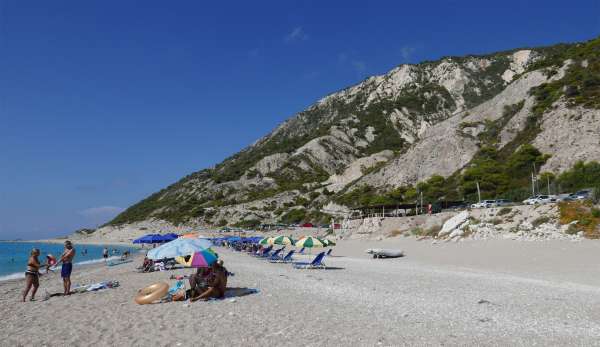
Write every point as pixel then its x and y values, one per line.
pixel 468 293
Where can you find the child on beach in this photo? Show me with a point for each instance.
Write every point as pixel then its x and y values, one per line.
pixel 32 275
pixel 50 262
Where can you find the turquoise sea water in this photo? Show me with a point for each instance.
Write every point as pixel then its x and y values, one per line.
pixel 14 255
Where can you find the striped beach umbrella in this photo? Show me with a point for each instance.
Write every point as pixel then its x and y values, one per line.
pixel 265 241
pixel 328 242
pixel 282 240
pixel 309 242
pixel 203 258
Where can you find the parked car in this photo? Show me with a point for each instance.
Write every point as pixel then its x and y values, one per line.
pixel 460 207
pixel 582 194
pixel 484 204
pixel 540 199
pixel 501 202
pixel 565 197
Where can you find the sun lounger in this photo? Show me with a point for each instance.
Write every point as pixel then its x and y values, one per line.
pixel 317 263
pixel 286 259
pixel 264 252
pixel 275 254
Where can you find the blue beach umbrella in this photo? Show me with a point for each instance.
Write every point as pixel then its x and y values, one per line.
pixel 150 238
pixel 170 237
pixel 179 248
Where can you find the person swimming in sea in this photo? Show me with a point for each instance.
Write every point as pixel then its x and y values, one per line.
pixel 32 275
pixel 67 266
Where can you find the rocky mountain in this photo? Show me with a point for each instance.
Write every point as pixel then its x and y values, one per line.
pixel 433 127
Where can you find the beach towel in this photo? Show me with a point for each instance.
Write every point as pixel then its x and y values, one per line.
pixel 176 287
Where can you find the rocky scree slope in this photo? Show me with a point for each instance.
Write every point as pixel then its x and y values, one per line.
pixel 398 129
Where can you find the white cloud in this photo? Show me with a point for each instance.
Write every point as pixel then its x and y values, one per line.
pixel 406 52
pixel 297 34
pixel 101 212
pixel 349 60
pixel 359 66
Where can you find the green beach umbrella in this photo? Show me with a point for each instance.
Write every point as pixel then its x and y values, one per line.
pixel 310 242
pixel 282 240
pixel 265 241
pixel 328 242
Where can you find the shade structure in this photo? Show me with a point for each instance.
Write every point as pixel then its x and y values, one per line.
pixel 203 258
pixel 309 242
pixel 151 238
pixel 192 236
pixel 282 240
pixel 265 241
pixel 252 239
pixel 170 236
pixel 178 248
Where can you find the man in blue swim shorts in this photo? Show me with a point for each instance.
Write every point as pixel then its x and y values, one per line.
pixel 67 266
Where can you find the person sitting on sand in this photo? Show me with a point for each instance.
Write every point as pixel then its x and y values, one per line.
pixel 217 283
pixel 147 265
pixel 32 275
pixel 199 281
pixel 67 266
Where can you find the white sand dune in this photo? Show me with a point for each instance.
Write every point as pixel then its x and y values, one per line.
pixel 470 293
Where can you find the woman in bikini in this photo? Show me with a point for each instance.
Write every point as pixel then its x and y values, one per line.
pixel 32 275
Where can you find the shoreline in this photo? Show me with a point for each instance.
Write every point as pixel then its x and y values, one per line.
pixel 81 242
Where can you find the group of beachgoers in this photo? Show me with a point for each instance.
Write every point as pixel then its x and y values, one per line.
pixel 209 282
pixel 32 275
pixel 205 283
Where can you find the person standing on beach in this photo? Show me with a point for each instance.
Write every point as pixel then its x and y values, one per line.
pixel 67 266
pixel 105 254
pixel 32 275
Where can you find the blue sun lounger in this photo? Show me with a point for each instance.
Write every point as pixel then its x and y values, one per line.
pixel 317 263
pixel 275 254
pixel 286 259
pixel 265 252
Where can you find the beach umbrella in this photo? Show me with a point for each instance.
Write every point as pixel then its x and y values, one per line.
pixel 282 240
pixel 150 238
pixel 265 241
pixel 170 237
pixel 192 236
pixel 328 242
pixel 179 247
pixel 310 242
pixel 203 258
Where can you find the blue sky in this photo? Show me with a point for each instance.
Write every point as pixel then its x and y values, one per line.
pixel 104 102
